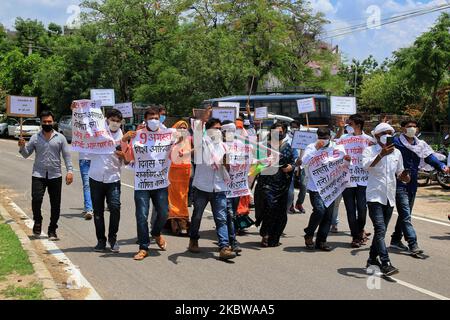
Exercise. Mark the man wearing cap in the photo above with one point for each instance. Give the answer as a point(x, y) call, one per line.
point(384, 164)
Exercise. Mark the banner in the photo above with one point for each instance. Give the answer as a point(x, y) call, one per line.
point(240, 162)
point(302, 139)
point(151, 159)
point(89, 132)
point(354, 147)
point(330, 174)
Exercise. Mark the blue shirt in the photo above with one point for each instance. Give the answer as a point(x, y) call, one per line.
point(411, 161)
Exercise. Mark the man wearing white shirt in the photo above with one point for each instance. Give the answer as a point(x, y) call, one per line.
point(104, 182)
point(384, 164)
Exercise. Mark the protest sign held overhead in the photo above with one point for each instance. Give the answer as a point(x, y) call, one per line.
point(21, 106)
point(235, 105)
point(89, 130)
point(106, 96)
point(224, 114)
point(151, 159)
point(302, 139)
point(343, 105)
point(126, 109)
point(306, 105)
point(261, 113)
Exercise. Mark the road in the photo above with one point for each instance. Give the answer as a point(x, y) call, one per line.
point(286, 272)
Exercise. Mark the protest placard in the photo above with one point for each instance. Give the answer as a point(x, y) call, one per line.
point(224, 113)
point(198, 113)
point(235, 105)
point(302, 139)
point(241, 157)
point(261, 113)
point(354, 147)
point(306, 105)
point(330, 173)
point(106, 96)
point(343, 105)
point(126, 109)
point(21, 106)
point(151, 155)
point(89, 131)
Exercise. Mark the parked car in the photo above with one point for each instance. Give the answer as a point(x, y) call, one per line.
point(30, 127)
point(8, 127)
point(65, 127)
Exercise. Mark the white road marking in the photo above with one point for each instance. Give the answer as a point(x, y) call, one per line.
point(421, 290)
point(76, 278)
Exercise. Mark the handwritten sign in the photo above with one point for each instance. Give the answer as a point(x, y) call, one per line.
point(330, 173)
point(343, 105)
point(21, 106)
point(89, 132)
point(354, 147)
point(306, 105)
point(126, 109)
point(152, 163)
point(302, 139)
point(240, 163)
point(261, 113)
point(106, 96)
point(223, 114)
point(235, 105)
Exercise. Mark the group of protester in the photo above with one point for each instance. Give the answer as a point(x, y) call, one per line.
point(207, 160)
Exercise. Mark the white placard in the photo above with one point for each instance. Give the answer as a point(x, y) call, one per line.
point(224, 113)
point(106, 96)
point(343, 105)
point(126, 109)
point(21, 106)
point(241, 158)
point(236, 105)
point(306, 105)
point(302, 139)
point(261, 113)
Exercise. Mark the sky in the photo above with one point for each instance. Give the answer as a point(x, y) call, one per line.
point(341, 13)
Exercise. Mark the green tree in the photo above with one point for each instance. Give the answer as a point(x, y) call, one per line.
point(31, 36)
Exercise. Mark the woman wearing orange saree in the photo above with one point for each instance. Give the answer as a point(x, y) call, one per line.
point(179, 174)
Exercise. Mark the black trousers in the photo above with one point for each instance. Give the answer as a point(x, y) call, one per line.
point(38, 187)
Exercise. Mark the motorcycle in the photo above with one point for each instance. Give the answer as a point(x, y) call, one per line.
point(427, 173)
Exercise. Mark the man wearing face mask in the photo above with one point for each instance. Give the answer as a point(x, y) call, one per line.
point(321, 216)
point(162, 116)
point(104, 183)
point(384, 164)
point(413, 152)
point(48, 145)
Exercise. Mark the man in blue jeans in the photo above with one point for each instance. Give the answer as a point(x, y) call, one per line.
point(85, 164)
point(210, 187)
point(413, 151)
point(384, 164)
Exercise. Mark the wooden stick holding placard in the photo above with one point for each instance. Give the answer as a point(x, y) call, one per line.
point(307, 121)
point(21, 125)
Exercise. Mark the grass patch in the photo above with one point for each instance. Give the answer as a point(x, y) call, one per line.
point(34, 291)
point(12, 256)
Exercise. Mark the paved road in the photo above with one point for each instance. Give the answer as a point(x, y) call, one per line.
point(286, 272)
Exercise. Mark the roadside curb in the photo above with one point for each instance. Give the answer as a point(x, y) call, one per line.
point(51, 291)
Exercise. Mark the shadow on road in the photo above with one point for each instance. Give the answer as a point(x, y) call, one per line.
point(441, 237)
point(205, 253)
point(358, 273)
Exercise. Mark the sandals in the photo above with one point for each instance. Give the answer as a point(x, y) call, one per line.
point(141, 255)
point(162, 244)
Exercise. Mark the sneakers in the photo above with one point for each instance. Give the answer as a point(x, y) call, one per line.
point(388, 269)
point(399, 245)
point(114, 246)
point(293, 210)
point(162, 244)
point(309, 242)
point(300, 208)
point(227, 254)
point(37, 229)
point(88, 215)
point(100, 247)
point(373, 263)
point(334, 229)
point(323, 247)
point(193, 246)
point(141, 255)
point(52, 236)
point(415, 249)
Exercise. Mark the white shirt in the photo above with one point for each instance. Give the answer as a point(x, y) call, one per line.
point(106, 168)
point(382, 183)
point(310, 151)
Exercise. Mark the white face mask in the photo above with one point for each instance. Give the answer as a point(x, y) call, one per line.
point(350, 129)
point(411, 132)
point(383, 139)
point(114, 126)
point(153, 124)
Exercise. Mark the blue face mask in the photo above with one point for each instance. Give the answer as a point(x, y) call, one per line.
point(162, 119)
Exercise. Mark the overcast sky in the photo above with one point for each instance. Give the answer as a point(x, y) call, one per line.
point(341, 13)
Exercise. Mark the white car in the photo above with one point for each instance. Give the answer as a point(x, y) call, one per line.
point(30, 127)
point(8, 127)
